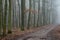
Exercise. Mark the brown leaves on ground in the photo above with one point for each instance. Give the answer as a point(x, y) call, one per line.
point(56, 32)
point(17, 32)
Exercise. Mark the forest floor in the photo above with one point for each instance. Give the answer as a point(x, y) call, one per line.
point(32, 34)
point(40, 34)
point(16, 32)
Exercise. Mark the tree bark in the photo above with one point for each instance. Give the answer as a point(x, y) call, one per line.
point(9, 18)
point(43, 11)
point(38, 13)
point(29, 14)
point(0, 14)
point(34, 12)
point(22, 14)
point(4, 22)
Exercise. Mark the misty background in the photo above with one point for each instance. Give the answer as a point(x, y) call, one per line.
point(52, 12)
point(55, 10)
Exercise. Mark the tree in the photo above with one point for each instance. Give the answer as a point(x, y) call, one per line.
point(38, 13)
point(51, 12)
point(34, 12)
point(22, 14)
point(0, 14)
point(48, 11)
point(43, 11)
point(41, 14)
point(9, 18)
point(12, 13)
point(4, 22)
point(19, 11)
point(29, 14)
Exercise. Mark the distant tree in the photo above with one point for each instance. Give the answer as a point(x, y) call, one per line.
point(19, 11)
point(29, 14)
point(38, 13)
point(34, 12)
point(43, 11)
point(48, 4)
point(13, 13)
point(51, 12)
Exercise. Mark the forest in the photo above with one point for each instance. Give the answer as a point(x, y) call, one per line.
point(21, 16)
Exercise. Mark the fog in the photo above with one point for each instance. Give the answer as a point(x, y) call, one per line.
point(56, 10)
point(57, 19)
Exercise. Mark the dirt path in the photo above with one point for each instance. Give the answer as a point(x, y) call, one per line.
point(39, 34)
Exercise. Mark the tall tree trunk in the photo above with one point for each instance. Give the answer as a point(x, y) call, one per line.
point(19, 11)
point(51, 16)
point(34, 12)
point(41, 15)
point(47, 13)
point(0, 14)
point(29, 14)
point(13, 13)
point(5, 14)
point(43, 11)
point(38, 13)
point(22, 14)
point(9, 18)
